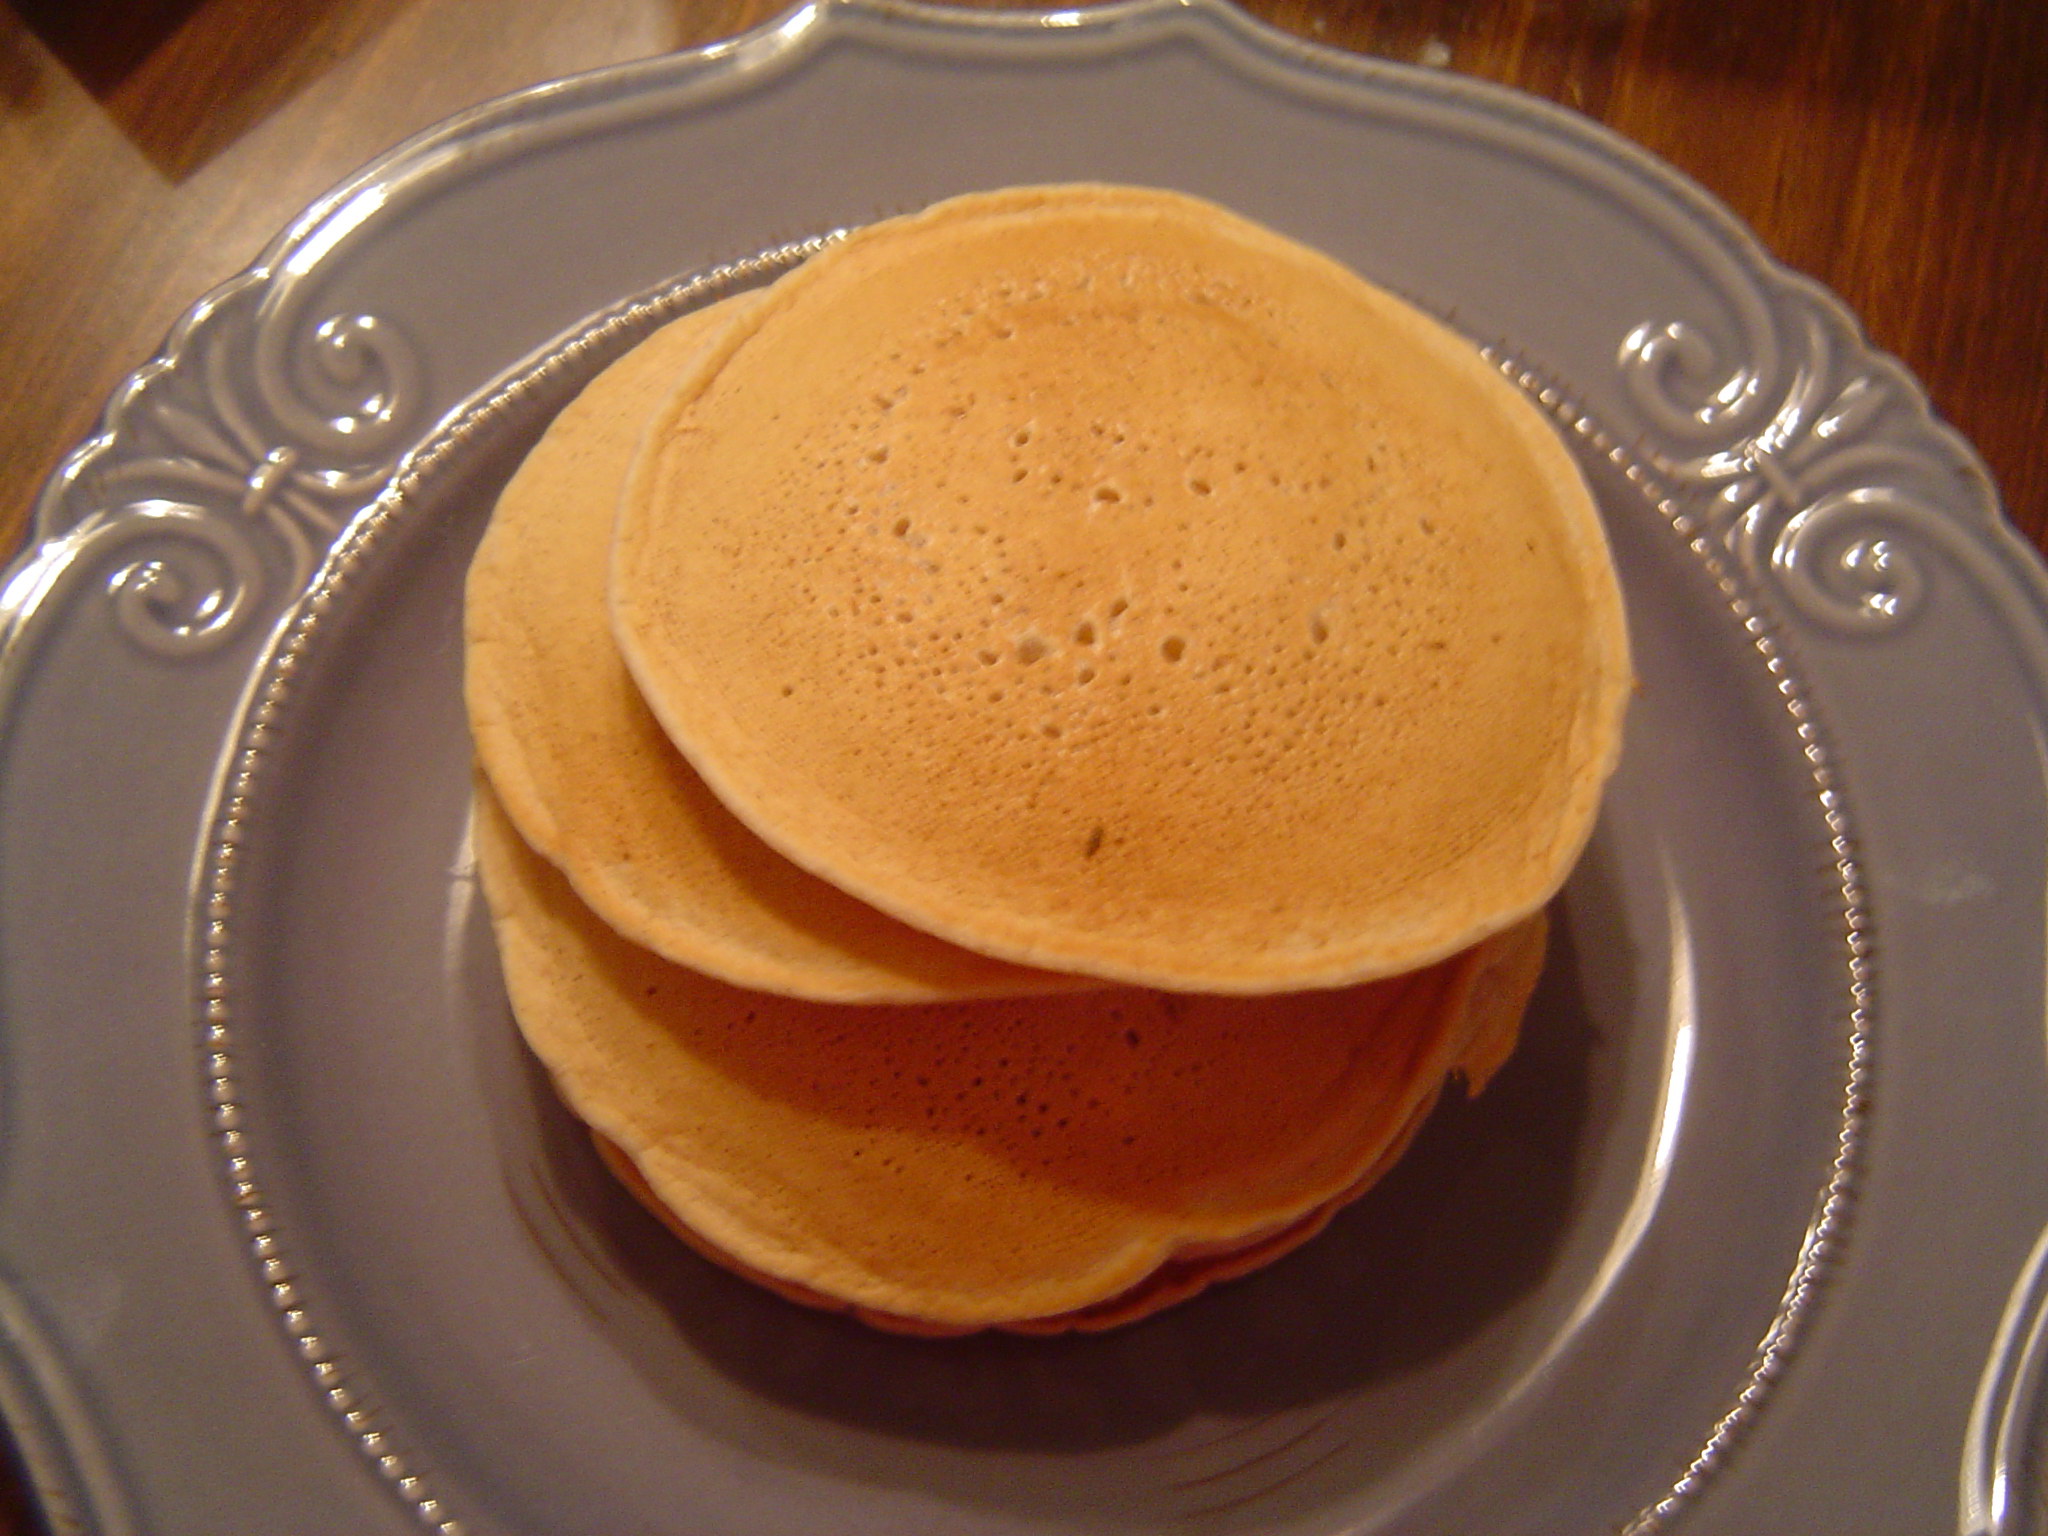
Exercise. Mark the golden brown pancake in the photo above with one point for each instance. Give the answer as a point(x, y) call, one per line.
point(1048, 1162)
point(590, 779)
point(1095, 579)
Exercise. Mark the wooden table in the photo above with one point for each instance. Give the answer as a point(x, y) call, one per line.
point(1896, 149)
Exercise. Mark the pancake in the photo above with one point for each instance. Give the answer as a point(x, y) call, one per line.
point(1044, 1163)
point(1097, 580)
point(593, 783)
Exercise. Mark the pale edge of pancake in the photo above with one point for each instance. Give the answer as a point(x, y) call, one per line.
point(499, 745)
point(1596, 731)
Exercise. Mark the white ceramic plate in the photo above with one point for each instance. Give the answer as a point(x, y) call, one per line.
point(293, 1236)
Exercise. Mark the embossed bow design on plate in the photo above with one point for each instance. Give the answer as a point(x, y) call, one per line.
point(227, 465)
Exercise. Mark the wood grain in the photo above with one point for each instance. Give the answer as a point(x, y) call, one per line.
point(1896, 150)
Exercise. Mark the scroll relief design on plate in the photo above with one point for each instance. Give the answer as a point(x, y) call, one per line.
point(1816, 461)
point(229, 464)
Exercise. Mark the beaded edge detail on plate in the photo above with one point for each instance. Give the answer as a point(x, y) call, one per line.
point(1821, 1247)
point(341, 1386)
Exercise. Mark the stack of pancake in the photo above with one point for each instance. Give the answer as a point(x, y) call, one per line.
point(1018, 760)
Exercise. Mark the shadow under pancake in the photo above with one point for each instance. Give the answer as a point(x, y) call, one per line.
point(1464, 1227)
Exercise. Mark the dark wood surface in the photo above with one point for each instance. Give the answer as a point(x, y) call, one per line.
point(1895, 149)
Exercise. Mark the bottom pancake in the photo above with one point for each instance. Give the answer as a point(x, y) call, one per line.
point(1180, 1277)
point(1500, 992)
point(1036, 1164)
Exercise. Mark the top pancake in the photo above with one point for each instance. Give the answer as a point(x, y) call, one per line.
point(1100, 581)
point(588, 776)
